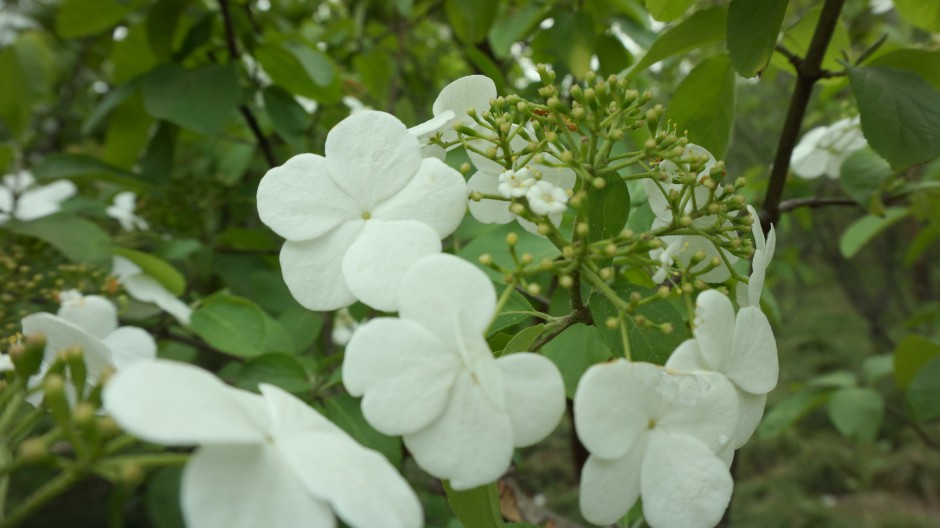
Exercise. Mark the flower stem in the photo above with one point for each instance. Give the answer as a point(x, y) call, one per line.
point(47, 492)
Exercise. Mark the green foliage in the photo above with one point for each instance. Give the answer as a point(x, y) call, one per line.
point(278, 369)
point(703, 104)
point(863, 177)
point(923, 394)
point(667, 10)
point(202, 100)
point(344, 411)
point(477, 506)
point(789, 411)
point(863, 230)
point(239, 327)
point(857, 412)
point(922, 14)
point(911, 355)
point(471, 19)
point(701, 28)
point(288, 117)
point(574, 351)
point(159, 269)
point(752, 33)
point(78, 240)
point(608, 208)
point(80, 18)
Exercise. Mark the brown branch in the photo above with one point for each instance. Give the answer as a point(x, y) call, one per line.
point(815, 201)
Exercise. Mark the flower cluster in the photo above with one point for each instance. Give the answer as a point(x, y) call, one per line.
point(823, 149)
point(21, 198)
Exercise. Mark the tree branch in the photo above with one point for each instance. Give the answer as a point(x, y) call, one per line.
point(815, 201)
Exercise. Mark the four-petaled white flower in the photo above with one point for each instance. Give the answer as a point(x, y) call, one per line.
point(146, 289)
point(430, 376)
point(22, 199)
point(823, 149)
point(450, 109)
point(655, 434)
point(90, 323)
point(264, 460)
point(688, 244)
point(122, 210)
point(356, 219)
point(741, 347)
point(486, 180)
point(666, 260)
point(749, 294)
point(515, 183)
point(546, 199)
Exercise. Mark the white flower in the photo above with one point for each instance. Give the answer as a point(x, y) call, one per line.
point(656, 192)
point(356, 219)
point(546, 199)
point(344, 326)
point(11, 24)
point(264, 460)
point(654, 433)
point(666, 260)
point(354, 104)
point(515, 183)
point(6, 363)
point(450, 109)
point(90, 323)
point(749, 294)
point(486, 180)
point(122, 210)
point(880, 6)
point(742, 348)
point(146, 289)
point(823, 149)
point(22, 199)
point(431, 377)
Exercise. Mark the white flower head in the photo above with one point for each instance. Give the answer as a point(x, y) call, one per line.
point(264, 460)
point(515, 183)
point(741, 347)
point(749, 294)
point(344, 326)
point(146, 289)
point(450, 109)
point(823, 149)
point(357, 218)
point(688, 245)
point(11, 24)
point(430, 377)
point(879, 7)
point(654, 433)
point(6, 363)
point(666, 260)
point(547, 199)
point(122, 210)
point(22, 199)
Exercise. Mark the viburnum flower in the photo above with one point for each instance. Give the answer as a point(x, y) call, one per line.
point(823, 149)
point(6, 363)
point(430, 376)
point(356, 219)
point(22, 199)
point(146, 289)
point(450, 109)
point(545, 199)
point(749, 294)
point(666, 260)
point(90, 323)
point(879, 7)
point(515, 183)
point(741, 347)
point(655, 434)
point(264, 460)
point(122, 210)
point(656, 192)
point(344, 326)
point(486, 180)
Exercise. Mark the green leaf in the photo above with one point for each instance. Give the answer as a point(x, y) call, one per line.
point(277, 369)
point(79, 18)
point(128, 130)
point(574, 351)
point(159, 269)
point(703, 104)
point(612, 57)
point(111, 101)
point(608, 208)
point(857, 413)
point(477, 507)
point(301, 70)
point(80, 166)
point(863, 230)
point(863, 175)
point(514, 26)
point(910, 356)
point(76, 238)
point(922, 62)
point(646, 343)
point(921, 13)
point(900, 114)
point(789, 411)
point(471, 19)
point(162, 20)
point(162, 498)
point(702, 27)
point(132, 57)
point(876, 367)
point(203, 99)
point(923, 394)
point(156, 165)
point(523, 341)
point(375, 69)
point(512, 312)
point(344, 411)
point(752, 33)
point(239, 327)
point(668, 10)
point(303, 326)
point(575, 40)
point(798, 38)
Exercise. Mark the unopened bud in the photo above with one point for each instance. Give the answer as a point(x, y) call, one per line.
point(636, 297)
point(582, 229)
point(598, 183)
point(565, 281)
point(543, 229)
point(33, 450)
point(612, 323)
point(533, 288)
point(527, 258)
point(130, 474)
point(685, 221)
point(610, 249)
point(517, 208)
point(464, 167)
point(666, 328)
point(512, 238)
point(606, 273)
point(663, 291)
point(476, 196)
point(486, 259)
point(83, 415)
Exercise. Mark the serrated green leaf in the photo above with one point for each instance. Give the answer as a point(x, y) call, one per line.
point(863, 230)
point(863, 175)
point(203, 99)
point(76, 238)
point(703, 104)
point(857, 413)
point(920, 61)
point(159, 269)
point(752, 33)
point(910, 355)
point(701, 28)
point(608, 208)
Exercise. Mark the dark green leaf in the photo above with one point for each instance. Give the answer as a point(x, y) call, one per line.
point(156, 165)
point(863, 175)
point(702, 27)
point(277, 369)
point(159, 269)
point(668, 10)
point(924, 392)
point(574, 351)
point(911, 354)
point(752, 33)
point(203, 99)
point(922, 62)
point(376, 71)
point(79, 18)
point(301, 70)
point(110, 102)
point(162, 21)
point(574, 40)
point(344, 411)
point(128, 130)
point(608, 208)
point(798, 38)
point(76, 238)
point(612, 57)
point(162, 498)
point(863, 230)
point(703, 104)
point(857, 413)
point(239, 327)
point(791, 410)
point(80, 166)
point(900, 114)
point(921, 13)
point(646, 343)
point(303, 326)
point(514, 26)
point(477, 507)
point(513, 312)
point(471, 19)
point(523, 341)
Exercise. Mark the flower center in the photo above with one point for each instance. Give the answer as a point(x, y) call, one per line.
point(651, 424)
point(366, 215)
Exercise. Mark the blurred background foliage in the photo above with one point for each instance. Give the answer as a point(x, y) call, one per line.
point(189, 102)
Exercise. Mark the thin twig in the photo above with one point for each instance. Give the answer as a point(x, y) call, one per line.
point(815, 201)
point(928, 440)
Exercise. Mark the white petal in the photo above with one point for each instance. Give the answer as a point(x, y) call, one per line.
point(289, 415)
point(61, 334)
point(129, 344)
point(703, 405)
point(313, 270)
point(299, 200)
point(683, 483)
point(247, 487)
point(714, 325)
point(43, 201)
point(438, 287)
point(93, 313)
point(470, 443)
point(122, 268)
point(488, 211)
point(432, 126)
point(535, 396)
point(405, 373)
point(657, 199)
point(750, 412)
point(436, 196)
point(609, 488)
point(687, 358)
point(360, 484)
point(174, 403)
point(375, 263)
point(472, 91)
point(145, 288)
point(371, 156)
point(752, 364)
point(609, 408)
